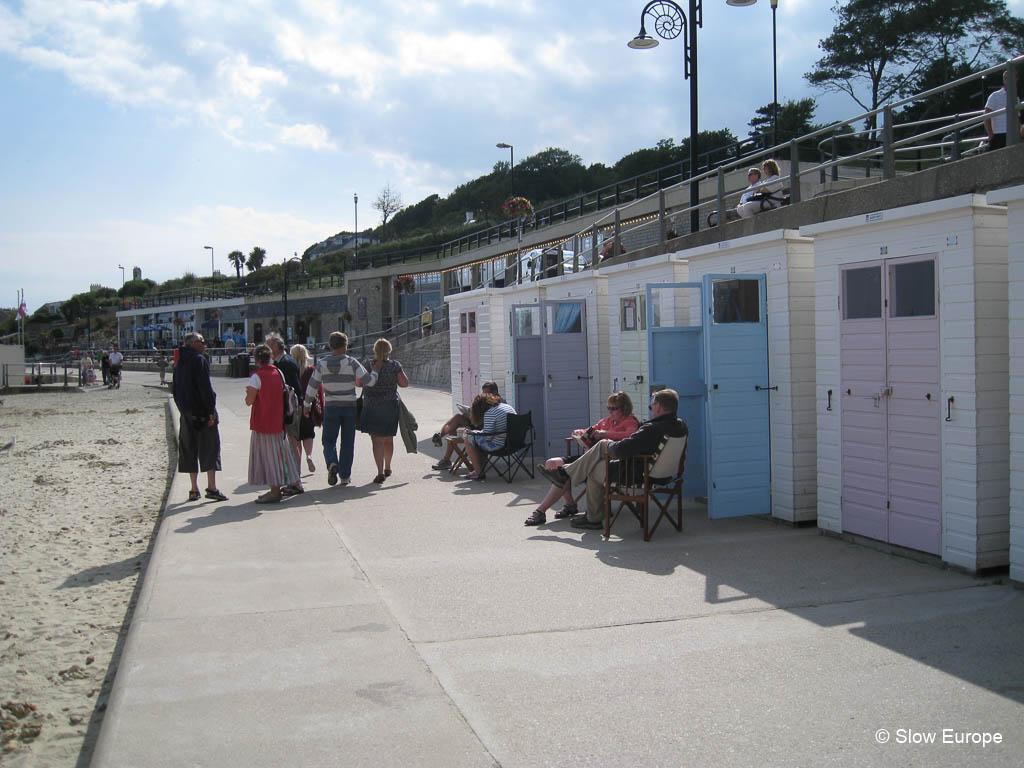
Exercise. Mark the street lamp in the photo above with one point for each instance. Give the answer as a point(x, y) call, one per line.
point(284, 295)
point(669, 20)
point(511, 165)
point(775, 66)
point(122, 274)
point(355, 203)
point(210, 249)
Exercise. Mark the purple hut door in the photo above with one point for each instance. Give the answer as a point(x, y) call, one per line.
point(470, 351)
point(889, 363)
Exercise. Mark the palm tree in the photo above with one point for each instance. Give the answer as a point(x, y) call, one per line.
point(237, 258)
point(256, 257)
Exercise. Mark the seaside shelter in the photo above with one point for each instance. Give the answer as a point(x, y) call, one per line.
point(912, 394)
point(1013, 199)
point(758, 296)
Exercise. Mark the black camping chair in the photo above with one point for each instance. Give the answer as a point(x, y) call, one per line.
point(519, 436)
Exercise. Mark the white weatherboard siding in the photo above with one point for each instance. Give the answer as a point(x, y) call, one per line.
point(968, 239)
point(491, 332)
point(592, 287)
point(529, 293)
point(1013, 197)
point(787, 261)
point(631, 279)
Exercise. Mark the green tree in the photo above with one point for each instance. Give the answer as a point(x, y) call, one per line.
point(255, 260)
point(237, 259)
point(794, 120)
point(135, 288)
point(879, 48)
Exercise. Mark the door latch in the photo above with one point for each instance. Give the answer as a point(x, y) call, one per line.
point(759, 388)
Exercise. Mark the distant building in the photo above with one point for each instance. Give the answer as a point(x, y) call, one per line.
point(136, 273)
point(341, 241)
point(52, 307)
point(94, 287)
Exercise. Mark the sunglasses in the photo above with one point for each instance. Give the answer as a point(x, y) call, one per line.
point(614, 408)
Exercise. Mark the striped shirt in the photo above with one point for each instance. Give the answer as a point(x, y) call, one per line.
point(338, 374)
point(496, 420)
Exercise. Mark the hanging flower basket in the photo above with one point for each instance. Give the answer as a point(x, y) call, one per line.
point(406, 284)
point(518, 208)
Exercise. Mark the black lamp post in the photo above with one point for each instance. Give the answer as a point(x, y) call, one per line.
point(775, 67)
point(284, 295)
point(511, 165)
point(669, 20)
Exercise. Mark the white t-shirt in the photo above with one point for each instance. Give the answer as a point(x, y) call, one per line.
point(996, 101)
point(254, 382)
point(115, 358)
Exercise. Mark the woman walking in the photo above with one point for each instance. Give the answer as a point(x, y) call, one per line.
point(381, 406)
point(271, 460)
point(316, 413)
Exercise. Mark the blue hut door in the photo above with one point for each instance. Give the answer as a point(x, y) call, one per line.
point(675, 343)
point(739, 448)
point(566, 372)
point(527, 364)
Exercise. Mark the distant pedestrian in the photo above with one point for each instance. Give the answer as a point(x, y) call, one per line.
point(340, 375)
point(308, 424)
point(116, 359)
point(427, 320)
point(161, 364)
point(995, 126)
point(381, 406)
point(290, 370)
point(105, 368)
point(271, 459)
point(198, 435)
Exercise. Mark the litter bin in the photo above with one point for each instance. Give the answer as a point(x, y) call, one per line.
point(242, 361)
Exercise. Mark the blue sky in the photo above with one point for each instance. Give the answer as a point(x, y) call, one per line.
point(135, 133)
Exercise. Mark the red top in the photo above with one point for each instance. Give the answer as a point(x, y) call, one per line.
point(618, 428)
point(267, 414)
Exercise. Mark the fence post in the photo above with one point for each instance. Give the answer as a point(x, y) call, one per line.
point(593, 245)
point(721, 195)
point(888, 153)
point(1012, 115)
point(794, 172)
point(662, 224)
point(617, 248)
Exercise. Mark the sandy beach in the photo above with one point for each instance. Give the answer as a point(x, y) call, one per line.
point(80, 497)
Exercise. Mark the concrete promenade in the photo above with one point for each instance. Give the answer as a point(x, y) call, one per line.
point(421, 624)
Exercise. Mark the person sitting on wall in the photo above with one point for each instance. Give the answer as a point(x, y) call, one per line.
point(619, 424)
point(589, 468)
point(768, 193)
point(461, 419)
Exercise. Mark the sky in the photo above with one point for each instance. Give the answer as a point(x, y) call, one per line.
point(134, 133)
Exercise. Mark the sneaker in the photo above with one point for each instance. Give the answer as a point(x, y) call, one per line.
point(436, 439)
point(442, 464)
point(345, 480)
point(310, 464)
point(583, 522)
point(332, 474)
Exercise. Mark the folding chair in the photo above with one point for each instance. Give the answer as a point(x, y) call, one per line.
point(660, 481)
point(519, 436)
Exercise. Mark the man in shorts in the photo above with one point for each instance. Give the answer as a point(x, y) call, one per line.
point(198, 437)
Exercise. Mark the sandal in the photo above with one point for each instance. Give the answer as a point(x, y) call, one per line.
point(567, 511)
point(310, 464)
point(216, 495)
point(193, 495)
point(378, 479)
point(387, 473)
point(537, 518)
point(476, 476)
point(268, 498)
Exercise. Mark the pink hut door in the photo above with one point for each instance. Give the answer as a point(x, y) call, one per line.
point(469, 350)
point(889, 374)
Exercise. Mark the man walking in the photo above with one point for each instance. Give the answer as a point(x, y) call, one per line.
point(198, 436)
point(589, 468)
point(340, 375)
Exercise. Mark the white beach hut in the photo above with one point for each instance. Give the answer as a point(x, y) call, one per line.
point(1013, 199)
point(758, 295)
point(479, 344)
point(912, 382)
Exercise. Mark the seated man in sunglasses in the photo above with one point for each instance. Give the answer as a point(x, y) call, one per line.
point(618, 424)
point(589, 468)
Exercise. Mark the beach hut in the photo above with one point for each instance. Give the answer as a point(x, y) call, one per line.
point(1013, 199)
point(479, 348)
point(912, 384)
point(574, 354)
point(757, 296)
point(627, 320)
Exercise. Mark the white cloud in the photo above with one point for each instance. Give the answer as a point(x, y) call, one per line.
point(459, 52)
point(305, 135)
point(248, 80)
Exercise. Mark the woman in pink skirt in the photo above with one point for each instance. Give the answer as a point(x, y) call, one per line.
point(271, 460)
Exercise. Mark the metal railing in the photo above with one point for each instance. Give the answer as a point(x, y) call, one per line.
point(38, 374)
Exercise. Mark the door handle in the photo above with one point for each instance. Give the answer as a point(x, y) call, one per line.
point(759, 388)
point(519, 378)
point(581, 378)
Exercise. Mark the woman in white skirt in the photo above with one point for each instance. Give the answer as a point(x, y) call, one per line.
point(271, 460)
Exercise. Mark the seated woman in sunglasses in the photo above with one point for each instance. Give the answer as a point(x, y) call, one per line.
point(618, 424)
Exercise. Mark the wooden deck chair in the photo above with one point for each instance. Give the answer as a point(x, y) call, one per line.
point(519, 436)
point(660, 482)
